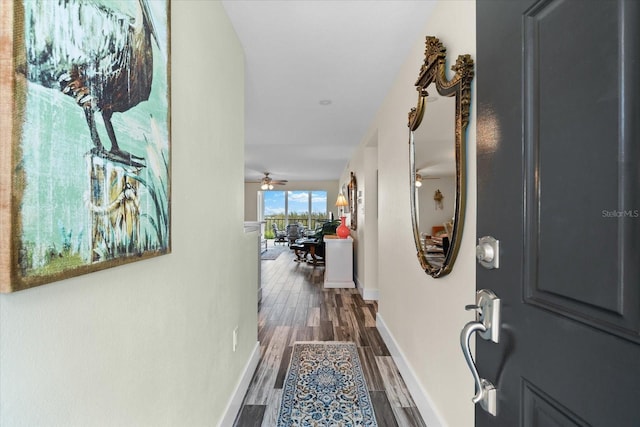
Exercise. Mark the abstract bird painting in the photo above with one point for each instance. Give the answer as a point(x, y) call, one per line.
point(99, 56)
point(91, 143)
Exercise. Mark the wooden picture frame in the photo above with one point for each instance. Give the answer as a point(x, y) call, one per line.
point(85, 158)
point(353, 201)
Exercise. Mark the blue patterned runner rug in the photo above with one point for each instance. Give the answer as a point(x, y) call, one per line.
point(325, 387)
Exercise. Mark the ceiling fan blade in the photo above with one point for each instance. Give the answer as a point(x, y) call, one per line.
point(267, 180)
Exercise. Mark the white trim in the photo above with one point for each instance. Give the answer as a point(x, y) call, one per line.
point(359, 285)
point(367, 294)
point(425, 405)
point(370, 294)
point(235, 403)
point(336, 284)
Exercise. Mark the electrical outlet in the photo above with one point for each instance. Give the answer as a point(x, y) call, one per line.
point(235, 339)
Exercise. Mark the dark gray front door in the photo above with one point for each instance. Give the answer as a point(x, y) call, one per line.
point(559, 186)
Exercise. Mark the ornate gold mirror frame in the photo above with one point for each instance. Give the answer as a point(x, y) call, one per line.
point(433, 70)
point(353, 201)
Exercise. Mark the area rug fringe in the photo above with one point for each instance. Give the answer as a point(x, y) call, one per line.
point(325, 386)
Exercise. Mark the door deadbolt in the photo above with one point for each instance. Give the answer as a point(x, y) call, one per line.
point(488, 252)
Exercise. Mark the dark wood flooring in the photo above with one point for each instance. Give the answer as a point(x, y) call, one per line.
point(296, 307)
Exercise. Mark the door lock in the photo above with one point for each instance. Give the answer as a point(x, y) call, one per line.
point(488, 252)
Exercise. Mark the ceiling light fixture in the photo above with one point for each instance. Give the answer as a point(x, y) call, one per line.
point(325, 102)
point(266, 184)
point(418, 180)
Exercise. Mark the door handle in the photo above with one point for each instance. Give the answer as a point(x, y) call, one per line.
point(487, 323)
point(485, 391)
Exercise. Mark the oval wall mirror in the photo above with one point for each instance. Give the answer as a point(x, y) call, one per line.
point(437, 151)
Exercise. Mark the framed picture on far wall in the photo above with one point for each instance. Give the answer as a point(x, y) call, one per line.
point(85, 155)
point(353, 201)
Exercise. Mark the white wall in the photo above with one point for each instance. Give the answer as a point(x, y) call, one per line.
point(364, 164)
point(367, 272)
point(149, 343)
point(423, 315)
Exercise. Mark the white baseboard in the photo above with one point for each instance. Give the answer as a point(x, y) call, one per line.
point(235, 403)
point(421, 398)
point(367, 294)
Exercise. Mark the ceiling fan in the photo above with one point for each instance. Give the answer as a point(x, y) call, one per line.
point(267, 183)
point(419, 178)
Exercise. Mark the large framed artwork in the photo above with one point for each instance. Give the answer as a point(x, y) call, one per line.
point(85, 165)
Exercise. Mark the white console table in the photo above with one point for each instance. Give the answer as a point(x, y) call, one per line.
point(338, 259)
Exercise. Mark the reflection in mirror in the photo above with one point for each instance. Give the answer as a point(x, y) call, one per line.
point(437, 158)
point(353, 201)
point(435, 164)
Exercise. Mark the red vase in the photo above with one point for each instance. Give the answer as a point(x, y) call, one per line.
point(343, 231)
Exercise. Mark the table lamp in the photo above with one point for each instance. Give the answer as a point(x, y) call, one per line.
point(342, 231)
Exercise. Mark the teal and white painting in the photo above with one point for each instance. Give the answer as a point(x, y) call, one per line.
point(91, 138)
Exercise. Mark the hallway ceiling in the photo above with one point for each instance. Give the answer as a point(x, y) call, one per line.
point(316, 73)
